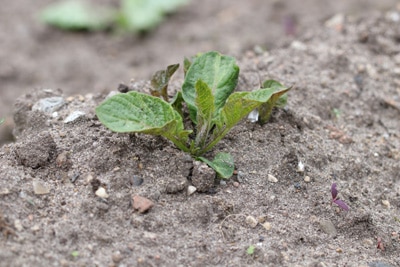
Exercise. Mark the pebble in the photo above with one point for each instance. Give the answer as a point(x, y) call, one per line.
point(39, 188)
point(74, 116)
point(272, 179)
point(236, 184)
point(101, 192)
point(191, 189)
point(141, 204)
point(307, 179)
point(18, 225)
point(300, 167)
point(137, 180)
point(267, 226)
point(49, 105)
point(116, 257)
point(336, 22)
point(251, 221)
point(379, 264)
point(297, 45)
point(386, 203)
point(327, 227)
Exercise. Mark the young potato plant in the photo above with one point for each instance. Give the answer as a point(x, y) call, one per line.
point(206, 99)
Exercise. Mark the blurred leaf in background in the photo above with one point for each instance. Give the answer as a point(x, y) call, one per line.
point(132, 16)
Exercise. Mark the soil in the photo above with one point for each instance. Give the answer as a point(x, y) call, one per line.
point(341, 125)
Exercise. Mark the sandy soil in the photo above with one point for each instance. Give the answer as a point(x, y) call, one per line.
point(342, 123)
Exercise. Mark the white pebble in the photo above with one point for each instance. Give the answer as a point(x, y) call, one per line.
point(307, 179)
point(191, 189)
point(39, 188)
point(101, 192)
point(272, 178)
point(300, 167)
point(267, 226)
point(74, 116)
point(386, 203)
point(251, 221)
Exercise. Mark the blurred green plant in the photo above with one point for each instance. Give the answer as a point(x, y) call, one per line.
point(1, 120)
point(132, 15)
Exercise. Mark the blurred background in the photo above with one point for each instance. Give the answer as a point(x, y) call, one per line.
point(36, 55)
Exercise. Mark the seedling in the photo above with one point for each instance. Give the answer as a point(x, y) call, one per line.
point(132, 15)
point(250, 250)
point(335, 198)
point(206, 100)
point(380, 244)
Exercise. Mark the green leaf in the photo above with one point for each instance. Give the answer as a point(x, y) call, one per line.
point(141, 113)
point(250, 250)
point(237, 106)
point(160, 81)
point(186, 65)
point(278, 99)
point(205, 110)
point(143, 15)
point(219, 72)
point(77, 15)
point(223, 164)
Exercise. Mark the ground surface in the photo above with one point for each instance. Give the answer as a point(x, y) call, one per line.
point(342, 122)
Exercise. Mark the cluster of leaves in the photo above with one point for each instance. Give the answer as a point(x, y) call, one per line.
point(206, 100)
point(132, 15)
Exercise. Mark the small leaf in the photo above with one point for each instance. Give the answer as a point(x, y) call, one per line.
point(250, 250)
point(334, 191)
point(341, 204)
point(223, 164)
point(186, 65)
point(77, 15)
point(219, 72)
point(278, 98)
point(205, 109)
point(160, 81)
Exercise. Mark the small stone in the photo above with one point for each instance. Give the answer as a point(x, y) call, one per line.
point(175, 184)
point(267, 226)
point(18, 225)
point(116, 257)
point(141, 204)
point(307, 179)
point(4, 191)
point(137, 180)
point(39, 188)
point(49, 105)
point(328, 227)
point(62, 160)
point(339, 250)
point(336, 22)
point(272, 179)
point(35, 228)
point(101, 192)
point(74, 116)
point(300, 167)
point(191, 189)
point(251, 221)
point(297, 45)
point(386, 203)
point(236, 184)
